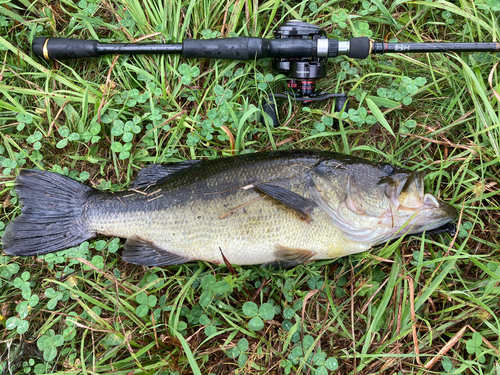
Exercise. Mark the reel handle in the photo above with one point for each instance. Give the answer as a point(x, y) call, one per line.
point(269, 106)
point(341, 103)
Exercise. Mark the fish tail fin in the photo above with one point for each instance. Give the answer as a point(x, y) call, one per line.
point(51, 216)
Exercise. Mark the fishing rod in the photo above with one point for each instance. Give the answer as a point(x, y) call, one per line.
point(300, 50)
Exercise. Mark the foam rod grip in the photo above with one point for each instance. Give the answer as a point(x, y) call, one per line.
point(359, 48)
point(64, 48)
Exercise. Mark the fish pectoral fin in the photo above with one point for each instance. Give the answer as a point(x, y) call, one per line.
point(158, 173)
point(288, 257)
point(145, 253)
point(290, 199)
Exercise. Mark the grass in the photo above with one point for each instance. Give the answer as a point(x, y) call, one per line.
point(421, 305)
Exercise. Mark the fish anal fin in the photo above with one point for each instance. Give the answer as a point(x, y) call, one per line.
point(290, 199)
point(289, 257)
point(145, 253)
point(158, 173)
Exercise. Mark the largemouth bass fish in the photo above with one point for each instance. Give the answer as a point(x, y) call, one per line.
point(284, 207)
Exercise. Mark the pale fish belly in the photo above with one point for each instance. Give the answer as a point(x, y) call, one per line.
point(249, 235)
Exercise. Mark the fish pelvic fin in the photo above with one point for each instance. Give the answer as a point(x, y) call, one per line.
point(51, 216)
point(145, 253)
point(288, 257)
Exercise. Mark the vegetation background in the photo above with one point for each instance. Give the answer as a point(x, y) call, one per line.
point(421, 305)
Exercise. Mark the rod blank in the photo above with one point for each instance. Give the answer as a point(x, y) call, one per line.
point(381, 48)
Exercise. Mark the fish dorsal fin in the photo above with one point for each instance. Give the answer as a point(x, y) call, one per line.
point(145, 253)
point(290, 199)
point(289, 257)
point(159, 173)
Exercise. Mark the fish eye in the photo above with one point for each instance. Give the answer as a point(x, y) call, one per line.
point(388, 169)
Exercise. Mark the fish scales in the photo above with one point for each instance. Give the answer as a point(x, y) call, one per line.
point(191, 209)
point(286, 207)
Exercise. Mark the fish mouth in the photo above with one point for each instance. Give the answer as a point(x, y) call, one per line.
point(414, 211)
point(435, 212)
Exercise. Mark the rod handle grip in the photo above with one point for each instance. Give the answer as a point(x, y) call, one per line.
point(64, 48)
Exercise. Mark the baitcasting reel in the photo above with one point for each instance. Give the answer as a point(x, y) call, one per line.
point(304, 72)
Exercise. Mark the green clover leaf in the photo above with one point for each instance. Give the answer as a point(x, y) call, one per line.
point(266, 311)
point(256, 324)
point(250, 309)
